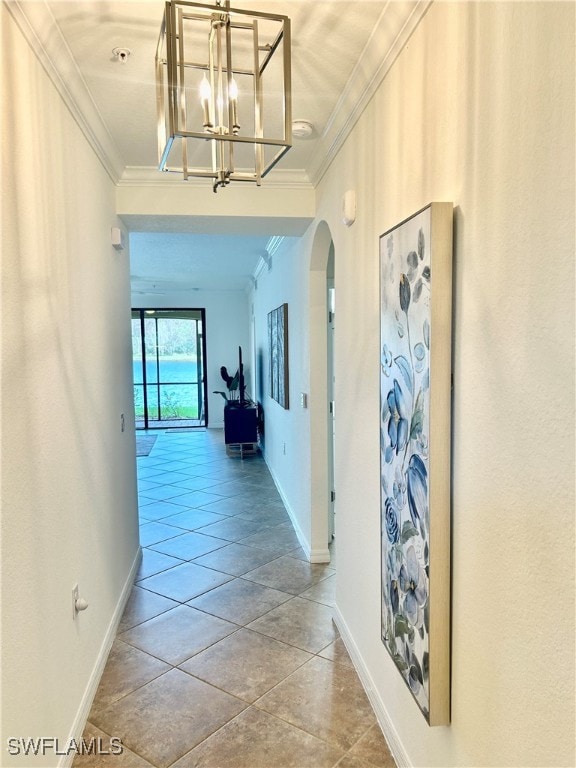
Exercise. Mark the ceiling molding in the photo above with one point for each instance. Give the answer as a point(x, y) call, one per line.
point(395, 26)
point(274, 244)
point(260, 267)
point(48, 44)
point(265, 261)
point(150, 176)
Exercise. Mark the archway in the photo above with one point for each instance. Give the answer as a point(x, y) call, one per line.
point(320, 481)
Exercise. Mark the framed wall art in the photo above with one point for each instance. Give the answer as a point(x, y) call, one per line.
point(278, 350)
point(415, 400)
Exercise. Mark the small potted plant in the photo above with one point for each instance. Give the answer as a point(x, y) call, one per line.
point(232, 383)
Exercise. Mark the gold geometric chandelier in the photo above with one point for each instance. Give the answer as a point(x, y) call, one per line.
point(223, 92)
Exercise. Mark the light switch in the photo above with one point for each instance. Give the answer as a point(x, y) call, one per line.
point(303, 399)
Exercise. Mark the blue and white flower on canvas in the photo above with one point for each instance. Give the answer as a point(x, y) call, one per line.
point(404, 430)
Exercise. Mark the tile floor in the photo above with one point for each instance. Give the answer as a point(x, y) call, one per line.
point(227, 655)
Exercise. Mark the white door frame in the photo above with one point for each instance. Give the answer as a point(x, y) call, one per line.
point(319, 399)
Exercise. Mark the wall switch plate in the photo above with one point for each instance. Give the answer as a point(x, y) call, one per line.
point(303, 399)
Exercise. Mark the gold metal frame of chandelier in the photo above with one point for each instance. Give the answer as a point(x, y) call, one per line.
point(173, 90)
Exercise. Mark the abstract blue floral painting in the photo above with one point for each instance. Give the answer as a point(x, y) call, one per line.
point(415, 387)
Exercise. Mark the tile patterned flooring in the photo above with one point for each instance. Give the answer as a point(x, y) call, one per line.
point(227, 655)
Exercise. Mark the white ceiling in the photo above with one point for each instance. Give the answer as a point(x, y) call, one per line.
point(328, 37)
point(164, 263)
point(341, 50)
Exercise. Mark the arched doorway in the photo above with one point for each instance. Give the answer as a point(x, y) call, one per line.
point(322, 274)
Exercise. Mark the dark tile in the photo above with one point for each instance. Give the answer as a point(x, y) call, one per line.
point(290, 574)
point(174, 465)
point(236, 559)
point(228, 507)
point(231, 529)
point(372, 748)
point(323, 592)
point(198, 484)
point(159, 509)
point(239, 601)
point(267, 517)
point(152, 533)
point(184, 582)
point(144, 485)
point(178, 634)
point(127, 668)
point(197, 499)
point(324, 699)
point(277, 539)
point(169, 478)
point(299, 622)
point(189, 545)
point(147, 473)
point(161, 493)
point(256, 739)
point(246, 664)
point(191, 519)
point(141, 606)
point(101, 752)
point(166, 718)
point(155, 562)
point(337, 652)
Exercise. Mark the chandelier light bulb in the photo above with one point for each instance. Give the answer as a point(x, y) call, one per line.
point(205, 96)
point(233, 92)
point(203, 46)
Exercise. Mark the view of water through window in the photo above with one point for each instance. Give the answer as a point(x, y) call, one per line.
point(168, 367)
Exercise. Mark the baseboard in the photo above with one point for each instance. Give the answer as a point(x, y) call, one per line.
point(90, 691)
point(385, 721)
point(319, 555)
point(312, 555)
point(304, 543)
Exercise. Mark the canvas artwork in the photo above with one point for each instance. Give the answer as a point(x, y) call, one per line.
point(278, 350)
point(415, 396)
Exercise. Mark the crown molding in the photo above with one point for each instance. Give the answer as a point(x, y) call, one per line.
point(394, 28)
point(274, 244)
point(260, 267)
point(265, 262)
point(396, 24)
point(150, 176)
point(43, 34)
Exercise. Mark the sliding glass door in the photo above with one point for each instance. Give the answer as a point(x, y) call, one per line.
point(168, 350)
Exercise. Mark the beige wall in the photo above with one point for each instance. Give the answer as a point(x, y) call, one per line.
point(287, 431)
point(68, 472)
point(478, 110)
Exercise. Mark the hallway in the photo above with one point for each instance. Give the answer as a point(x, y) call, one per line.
point(227, 655)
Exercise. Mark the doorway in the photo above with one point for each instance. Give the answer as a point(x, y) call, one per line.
point(322, 399)
point(331, 302)
point(169, 368)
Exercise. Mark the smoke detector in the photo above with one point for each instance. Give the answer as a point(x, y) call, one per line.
point(302, 129)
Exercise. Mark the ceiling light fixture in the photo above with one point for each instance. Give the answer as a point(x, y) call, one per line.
point(223, 84)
